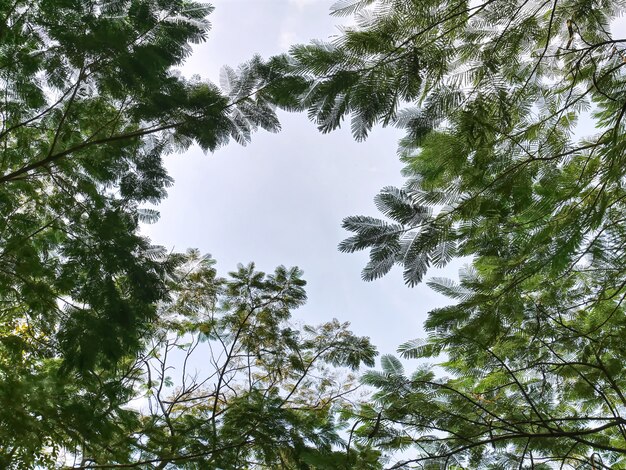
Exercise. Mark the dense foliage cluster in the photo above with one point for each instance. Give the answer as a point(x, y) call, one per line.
point(91, 103)
point(514, 152)
point(514, 156)
point(226, 381)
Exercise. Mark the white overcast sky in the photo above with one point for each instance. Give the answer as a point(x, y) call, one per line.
point(281, 199)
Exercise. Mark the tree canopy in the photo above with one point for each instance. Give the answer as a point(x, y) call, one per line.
point(92, 102)
point(514, 160)
point(227, 381)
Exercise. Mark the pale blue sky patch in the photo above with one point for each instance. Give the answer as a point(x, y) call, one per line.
point(281, 199)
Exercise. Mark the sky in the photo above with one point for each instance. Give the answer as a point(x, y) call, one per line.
point(281, 199)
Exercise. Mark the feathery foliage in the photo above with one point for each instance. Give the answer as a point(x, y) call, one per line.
point(514, 152)
point(91, 103)
point(227, 381)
